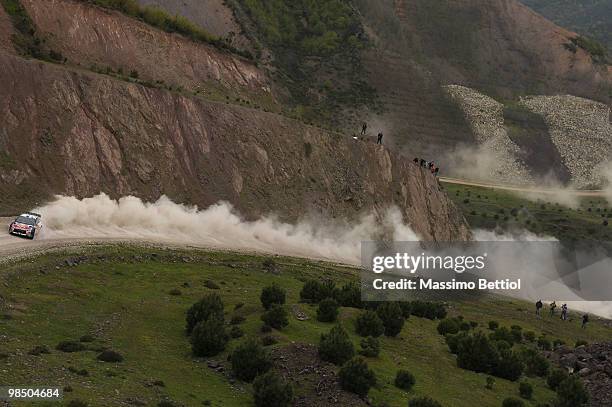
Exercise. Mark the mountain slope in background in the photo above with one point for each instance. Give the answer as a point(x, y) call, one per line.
point(592, 18)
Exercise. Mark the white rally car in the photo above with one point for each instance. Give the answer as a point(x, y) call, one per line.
point(26, 225)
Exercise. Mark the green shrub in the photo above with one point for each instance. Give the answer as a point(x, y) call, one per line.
point(350, 296)
point(268, 340)
point(512, 402)
point(276, 317)
point(236, 332)
point(571, 393)
point(502, 334)
point(544, 343)
point(404, 380)
point(490, 382)
point(423, 402)
point(314, 291)
point(237, 320)
point(555, 377)
point(110, 356)
point(391, 315)
point(327, 311)
point(209, 338)
point(249, 360)
point(529, 336)
point(509, 366)
point(448, 326)
point(453, 341)
point(77, 403)
point(369, 324)
point(270, 390)
point(525, 390)
point(535, 363)
point(70, 346)
point(493, 325)
point(336, 346)
point(476, 353)
point(370, 347)
point(209, 306)
point(272, 294)
point(424, 309)
point(355, 376)
point(39, 350)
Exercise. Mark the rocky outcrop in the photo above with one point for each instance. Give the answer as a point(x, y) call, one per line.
point(593, 363)
point(581, 131)
point(95, 37)
point(79, 133)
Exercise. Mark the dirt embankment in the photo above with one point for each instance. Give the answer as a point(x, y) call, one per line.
point(92, 36)
point(6, 32)
point(80, 133)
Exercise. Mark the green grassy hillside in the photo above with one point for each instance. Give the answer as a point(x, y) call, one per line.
point(486, 208)
point(134, 301)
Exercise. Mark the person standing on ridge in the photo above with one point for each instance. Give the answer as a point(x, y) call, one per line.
point(564, 312)
point(585, 319)
point(380, 137)
point(553, 306)
point(539, 306)
point(364, 127)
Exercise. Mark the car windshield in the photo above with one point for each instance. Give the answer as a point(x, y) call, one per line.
point(26, 220)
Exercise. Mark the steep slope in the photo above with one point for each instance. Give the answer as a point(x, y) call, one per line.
point(6, 32)
point(214, 15)
point(592, 18)
point(80, 133)
point(105, 40)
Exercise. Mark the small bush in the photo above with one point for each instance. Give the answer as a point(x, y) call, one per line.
point(86, 338)
point(272, 295)
point(70, 346)
point(270, 390)
point(39, 350)
point(555, 378)
point(350, 296)
point(77, 403)
point(529, 336)
point(490, 382)
point(424, 309)
point(571, 393)
point(314, 291)
point(249, 360)
point(355, 376)
point(175, 292)
point(209, 338)
point(535, 363)
point(336, 346)
point(268, 340)
point(544, 343)
point(370, 347)
point(448, 326)
point(110, 356)
point(265, 328)
point(404, 380)
point(210, 305)
point(512, 402)
point(493, 325)
point(476, 353)
point(327, 311)
point(237, 320)
point(391, 315)
point(236, 332)
point(276, 317)
point(423, 402)
point(509, 366)
point(211, 285)
point(369, 324)
point(525, 390)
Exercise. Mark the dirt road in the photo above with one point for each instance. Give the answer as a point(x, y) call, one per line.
point(518, 188)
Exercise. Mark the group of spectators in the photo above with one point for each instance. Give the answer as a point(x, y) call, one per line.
point(430, 165)
point(564, 312)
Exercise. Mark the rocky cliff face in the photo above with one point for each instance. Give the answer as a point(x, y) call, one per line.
point(78, 133)
point(90, 36)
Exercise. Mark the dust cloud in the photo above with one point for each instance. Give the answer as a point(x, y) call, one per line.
point(218, 226)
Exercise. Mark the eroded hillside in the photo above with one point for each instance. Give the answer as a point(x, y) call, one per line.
point(80, 133)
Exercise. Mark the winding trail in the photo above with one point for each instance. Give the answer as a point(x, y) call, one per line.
point(517, 188)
